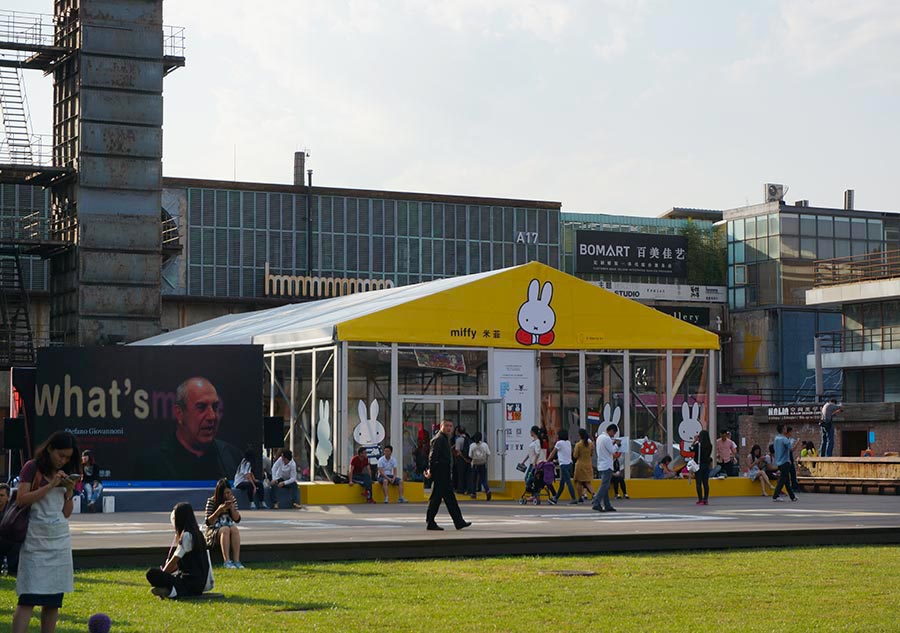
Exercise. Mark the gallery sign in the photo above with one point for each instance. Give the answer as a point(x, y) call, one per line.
point(694, 316)
point(795, 413)
point(630, 253)
point(664, 292)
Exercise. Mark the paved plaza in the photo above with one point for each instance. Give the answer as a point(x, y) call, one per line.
point(380, 531)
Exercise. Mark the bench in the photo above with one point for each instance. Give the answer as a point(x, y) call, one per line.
point(284, 497)
point(850, 485)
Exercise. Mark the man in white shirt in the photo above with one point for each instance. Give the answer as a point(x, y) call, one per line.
point(284, 475)
point(606, 450)
point(387, 473)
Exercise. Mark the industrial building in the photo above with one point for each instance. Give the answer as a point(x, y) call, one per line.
point(772, 250)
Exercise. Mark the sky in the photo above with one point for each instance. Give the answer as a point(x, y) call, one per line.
point(607, 106)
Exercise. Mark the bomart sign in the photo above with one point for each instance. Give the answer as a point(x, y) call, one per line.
point(630, 253)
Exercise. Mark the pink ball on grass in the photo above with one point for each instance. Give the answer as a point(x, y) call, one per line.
point(99, 623)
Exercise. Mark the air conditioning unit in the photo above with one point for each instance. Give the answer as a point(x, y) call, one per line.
point(774, 193)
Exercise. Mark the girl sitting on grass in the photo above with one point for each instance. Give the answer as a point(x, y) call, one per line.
point(188, 571)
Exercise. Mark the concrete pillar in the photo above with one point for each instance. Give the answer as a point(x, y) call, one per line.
point(820, 383)
point(711, 389)
point(626, 414)
point(670, 412)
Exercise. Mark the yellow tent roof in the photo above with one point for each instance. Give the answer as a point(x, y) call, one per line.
point(525, 307)
point(528, 306)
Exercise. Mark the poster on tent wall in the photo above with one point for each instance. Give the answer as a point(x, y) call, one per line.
point(513, 380)
point(154, 413)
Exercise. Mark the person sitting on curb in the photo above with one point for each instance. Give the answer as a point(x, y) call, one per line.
point(662, 470)
point(222, 517)
point(284, 475)
point(361, 474)
point(387, 473)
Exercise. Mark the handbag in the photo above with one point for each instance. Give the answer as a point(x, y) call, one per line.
point(14, 525)
point(692, 466)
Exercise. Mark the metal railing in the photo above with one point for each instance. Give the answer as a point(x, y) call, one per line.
point(861, 340)
point(759, 397)
point(40, 153)
point(31, 29)
point(40, 29)
point(33, 227)
point(173, 41)
point(168, 231)
point(856, 268)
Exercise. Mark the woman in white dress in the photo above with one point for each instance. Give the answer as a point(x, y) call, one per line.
point(45, 562)
point(757, 470)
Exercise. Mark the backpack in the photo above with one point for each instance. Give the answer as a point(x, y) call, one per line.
point(467, 442)
point(479, 454)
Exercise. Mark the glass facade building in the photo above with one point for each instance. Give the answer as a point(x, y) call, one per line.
point(771, 253)
point(232, 234)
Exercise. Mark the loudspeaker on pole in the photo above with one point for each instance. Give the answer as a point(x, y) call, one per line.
point(14, 434)
point(273, 432)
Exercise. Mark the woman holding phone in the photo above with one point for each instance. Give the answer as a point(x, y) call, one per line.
point(222, 517)
point(46, 483)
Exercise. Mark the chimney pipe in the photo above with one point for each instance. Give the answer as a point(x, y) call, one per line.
point(848, 200)
point(299, 168)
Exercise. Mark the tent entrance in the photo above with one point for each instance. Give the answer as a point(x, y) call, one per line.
point(422, 416)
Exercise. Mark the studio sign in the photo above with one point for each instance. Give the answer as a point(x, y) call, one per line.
point(634, 253)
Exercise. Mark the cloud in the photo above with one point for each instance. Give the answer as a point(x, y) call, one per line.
point(544, 19)
point(819, 35)
point(814, 37)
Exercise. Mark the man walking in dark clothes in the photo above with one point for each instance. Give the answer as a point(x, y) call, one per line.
point(440, 467)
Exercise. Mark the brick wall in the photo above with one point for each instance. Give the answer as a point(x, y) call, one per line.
point(882, 418)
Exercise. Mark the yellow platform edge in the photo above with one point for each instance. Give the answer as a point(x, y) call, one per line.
point(323, 493)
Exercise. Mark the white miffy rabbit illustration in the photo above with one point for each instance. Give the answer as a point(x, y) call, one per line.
point(536, 317)
point(689, 427)
point(607, 420)
point(324, 447)
point(369, 431)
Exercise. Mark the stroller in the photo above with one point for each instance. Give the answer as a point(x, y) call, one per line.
point(539, 480)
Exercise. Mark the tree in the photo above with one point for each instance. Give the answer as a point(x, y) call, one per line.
point(706, 255)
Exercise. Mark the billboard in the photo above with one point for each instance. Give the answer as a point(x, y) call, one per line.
point(664, 292)
point(162, 413)
point(630, 253)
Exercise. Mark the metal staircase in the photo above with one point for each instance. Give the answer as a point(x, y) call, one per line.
point(16, 120)
point(16, 335)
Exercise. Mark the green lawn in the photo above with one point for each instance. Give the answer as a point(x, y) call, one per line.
point(816, 589)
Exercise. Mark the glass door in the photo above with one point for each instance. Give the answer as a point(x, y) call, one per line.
point(421, 419)
point(492, 424)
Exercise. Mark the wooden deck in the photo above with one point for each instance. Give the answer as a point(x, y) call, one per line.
point(852, 475)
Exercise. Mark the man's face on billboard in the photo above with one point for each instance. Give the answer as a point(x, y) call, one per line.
point(198, 420)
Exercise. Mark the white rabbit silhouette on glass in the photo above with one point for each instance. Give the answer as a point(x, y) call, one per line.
point(369, 431)
point(689, 427)
point(324, 447)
